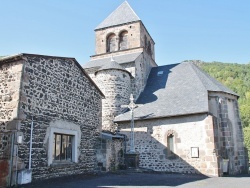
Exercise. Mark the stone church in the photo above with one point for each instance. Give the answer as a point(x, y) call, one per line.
point(58, 118)
point(186, 121)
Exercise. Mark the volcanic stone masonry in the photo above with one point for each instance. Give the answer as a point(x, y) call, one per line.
point(59, 96)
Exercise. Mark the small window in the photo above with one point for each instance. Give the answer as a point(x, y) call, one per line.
point(145, 42)
point(159, 73)
point(149, 48)
point(62, 147)
point(170, 145)
point(63, 144)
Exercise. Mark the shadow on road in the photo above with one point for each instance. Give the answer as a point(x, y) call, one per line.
point(118, 179)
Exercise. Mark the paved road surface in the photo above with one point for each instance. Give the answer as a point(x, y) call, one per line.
point(131, 179)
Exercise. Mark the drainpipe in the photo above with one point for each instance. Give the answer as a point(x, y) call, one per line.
point(31, 132)
point(11, 159)
point(16, 164)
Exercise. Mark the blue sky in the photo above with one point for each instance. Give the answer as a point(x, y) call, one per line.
point(208, 30)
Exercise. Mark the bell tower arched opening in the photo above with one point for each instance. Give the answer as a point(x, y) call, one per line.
point(123, 40)
point(111, 42)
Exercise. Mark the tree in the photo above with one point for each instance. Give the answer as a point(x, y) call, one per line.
point(247, 139)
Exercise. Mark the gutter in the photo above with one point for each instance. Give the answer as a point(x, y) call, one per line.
point(160, 117)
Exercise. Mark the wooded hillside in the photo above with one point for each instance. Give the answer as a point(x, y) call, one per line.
point(236, 77)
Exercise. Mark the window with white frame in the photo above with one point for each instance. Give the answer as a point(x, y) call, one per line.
point(62, 146)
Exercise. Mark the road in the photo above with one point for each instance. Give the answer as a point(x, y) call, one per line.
point(133, 180)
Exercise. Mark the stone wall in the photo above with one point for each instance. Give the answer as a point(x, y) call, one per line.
point(147, 40)
point(137, 37)
point(110, 154)
point(115, 84)
point(10, 79)
point(193, 131)
point(133, 30)
point(114, 154)
point(10, 76)
point(229, 130)
point(56, 90)
point(142, 68)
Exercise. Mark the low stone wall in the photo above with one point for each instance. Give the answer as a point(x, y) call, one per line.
point(110, 154)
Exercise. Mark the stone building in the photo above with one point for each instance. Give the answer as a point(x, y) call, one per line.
point(187, 121)
point(58, 99)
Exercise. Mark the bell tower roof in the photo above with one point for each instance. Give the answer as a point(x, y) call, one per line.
point(123, 14)
point(112, 65)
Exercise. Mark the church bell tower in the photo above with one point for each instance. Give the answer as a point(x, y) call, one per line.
point(122, 31)
point(123, 44)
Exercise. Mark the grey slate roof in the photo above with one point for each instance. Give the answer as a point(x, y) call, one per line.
point(119, 59)
point(210, 83)
point(112, 65)
point(182, 89)
point(123, 14)
point(109, 136)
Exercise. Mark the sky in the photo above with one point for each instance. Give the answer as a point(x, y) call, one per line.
point(207, 30)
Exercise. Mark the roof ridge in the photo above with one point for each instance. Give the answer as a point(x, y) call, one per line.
point(131, 8)
point(122, 14)
point(219, 86)
point(109, 15)
point(195, 72)
point(207, 76)
point(194, 68)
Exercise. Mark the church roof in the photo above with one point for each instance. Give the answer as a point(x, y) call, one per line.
point(120, 59)
point(210, 83)
point(112, 64)
point(123, 14)
point(173, 90)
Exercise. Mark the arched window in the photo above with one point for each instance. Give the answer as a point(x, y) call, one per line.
point(123, 40)
point(149, 48)
point(170, 142)
point(145, 42)
point(111, 43)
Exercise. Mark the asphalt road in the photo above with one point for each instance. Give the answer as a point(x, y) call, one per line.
point(130, 179)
